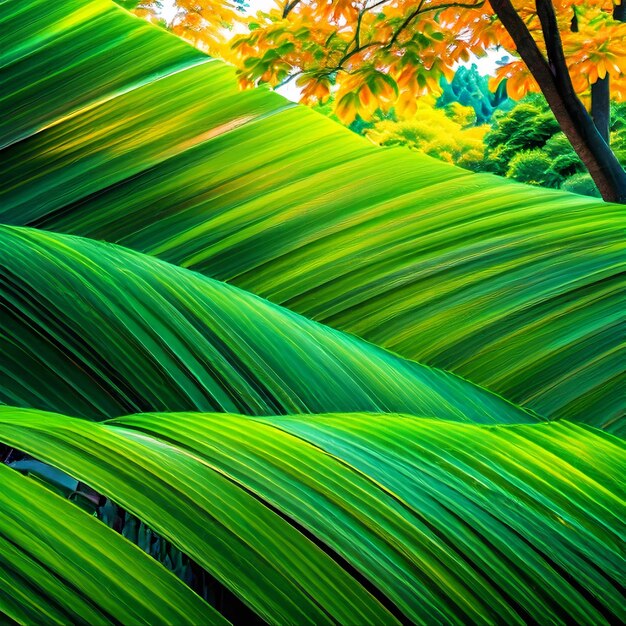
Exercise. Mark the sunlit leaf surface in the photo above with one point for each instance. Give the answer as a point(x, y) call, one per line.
point(138, 139)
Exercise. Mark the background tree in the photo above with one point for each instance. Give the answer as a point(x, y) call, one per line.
point(386, 53)
point(527, 144)
point(470, 88)
point(527, 127)
point(448, 135)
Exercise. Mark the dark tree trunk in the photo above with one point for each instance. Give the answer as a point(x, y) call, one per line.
point(601, 90)
point(600, 97)
point(601, 106)
point(553, 78)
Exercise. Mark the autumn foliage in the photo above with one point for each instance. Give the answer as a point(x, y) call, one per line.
point(388, 53)
point(383, 55)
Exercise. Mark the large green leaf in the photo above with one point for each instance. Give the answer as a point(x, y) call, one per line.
point(452, 523)
point(93, 330)
point(59, 565)
point(73, 56)
point(514, 288)
point(252, 550)
point(475, 548)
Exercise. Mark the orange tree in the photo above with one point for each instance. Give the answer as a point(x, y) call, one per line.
point(386, 53)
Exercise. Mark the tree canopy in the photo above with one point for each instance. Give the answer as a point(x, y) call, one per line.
point(382, 54)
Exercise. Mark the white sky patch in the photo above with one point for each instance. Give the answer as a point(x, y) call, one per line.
point(488, 64)
point(168, 11)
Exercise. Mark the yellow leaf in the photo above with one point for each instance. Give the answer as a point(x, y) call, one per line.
point(346, 109)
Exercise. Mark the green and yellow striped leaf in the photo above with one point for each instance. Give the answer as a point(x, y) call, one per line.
point(59, 565)
point(279, 573)
point(442, 522)
point(93, 330)
point(136, 138)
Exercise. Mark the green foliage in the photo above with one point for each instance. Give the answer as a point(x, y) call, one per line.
point(253, 551)
point(581, 184)
point(191, 343)
point(527, 126)
point(618, 130)
point(434, 132)
point(533, 167)
point(471, 89)
point(564, 160)
point(526, 144)
point(311, 476)
point(394, 497)
point(59, 564)
point(126, 524)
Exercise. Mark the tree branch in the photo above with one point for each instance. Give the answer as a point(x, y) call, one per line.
point(289, 7)
point(454, 5)
point(348, 55)
point(552, 37)
point(428, 9)
point(405, 24)
point(287, 80)
point(411, 16)
point(357, 32)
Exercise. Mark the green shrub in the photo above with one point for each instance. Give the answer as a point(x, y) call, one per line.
point(533, 167)
point(582, 184)
point(529, 125)
point(565, 161)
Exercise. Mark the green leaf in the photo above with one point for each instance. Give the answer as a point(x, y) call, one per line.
point(450, 522)
point(59, 565)
point(138, 139)
point(250, 549)
point(138, 334)
point(555, 488)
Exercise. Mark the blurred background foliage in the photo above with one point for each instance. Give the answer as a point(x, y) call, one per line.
point(472, 127)
point(471, 89)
